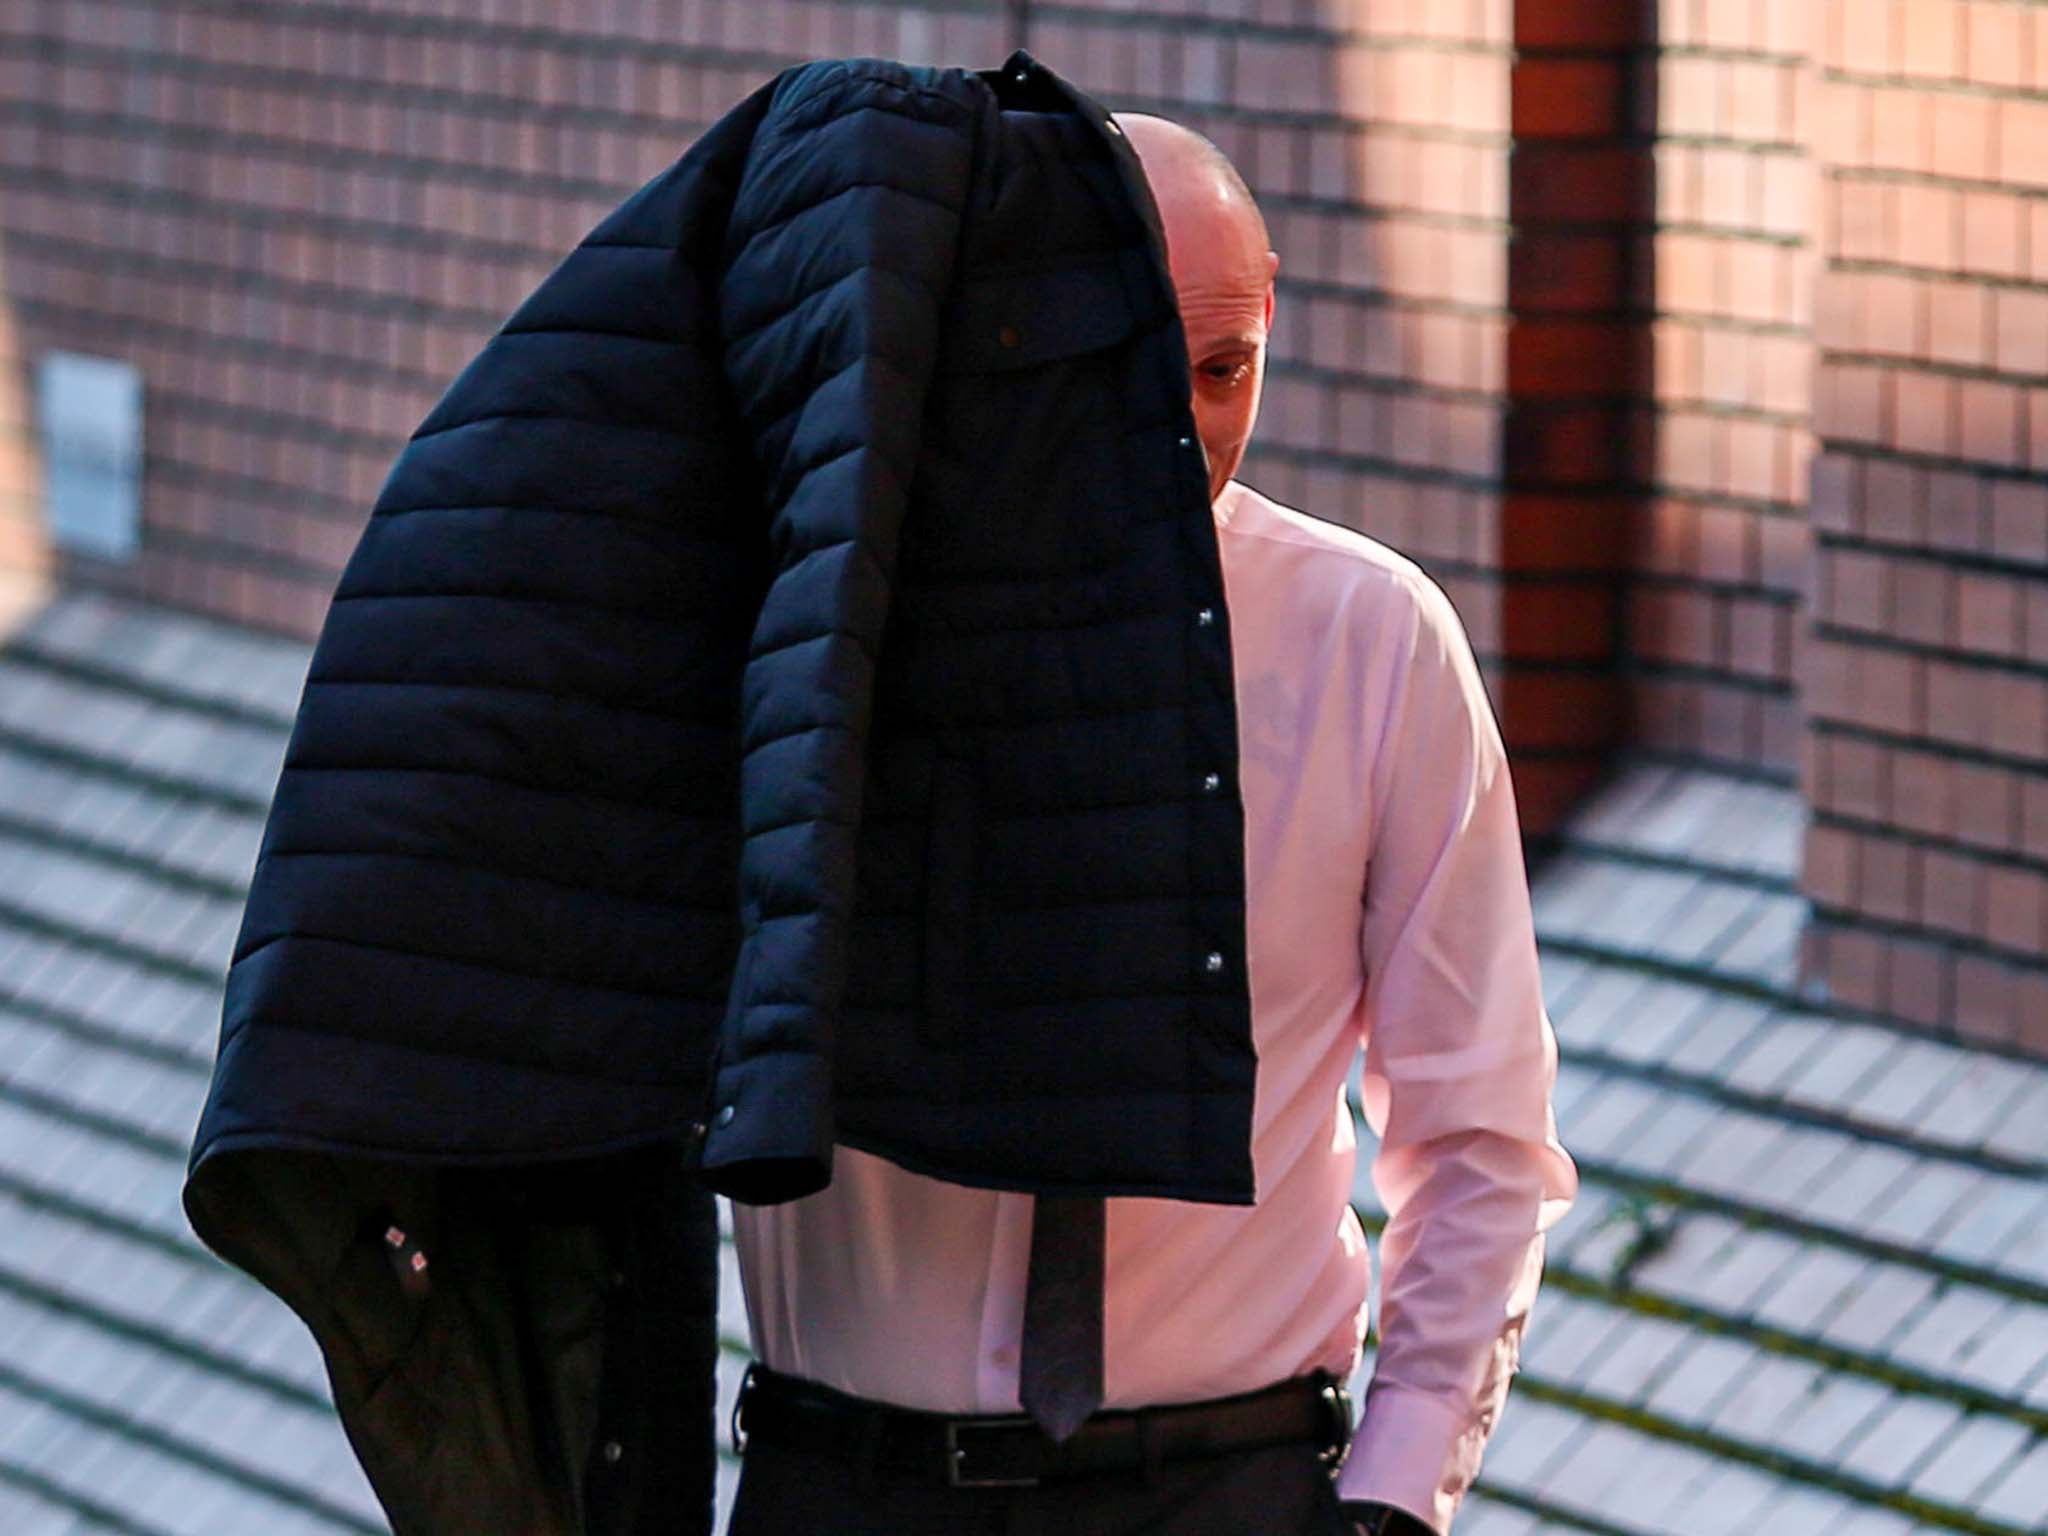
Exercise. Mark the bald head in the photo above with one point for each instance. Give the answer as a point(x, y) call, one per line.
point(1189, 169)
point(1222, 268)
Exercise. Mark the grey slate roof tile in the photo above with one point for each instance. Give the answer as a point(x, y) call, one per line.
point(1655, 899)
point(1930, 1201)
point(1866, 1520)
point(1595, 1204)
point(1718, 1033)
point(1601, 1250)
point(1852, 1054)
point(1603, 1127)
point(1571, 1334)
point(30, 1430)
point(1863, 1175)
point(1707, 1372)
point(1635, 1356)
point(1803, 1508)
point(1655, 1483)
point(1573, 892)
point(1918, 1073)
point(1760, 1400)
point(1876, 1308)
point(1716, 1265)
point(2022, 1128)
point(1715, 914)
point(1780, 1179)
point(1833, 1418)
point(1616, 811)
point(1533, 1440)
point(1664, 1146)
point(1977, 1100)
point(2002, 1211)
point(29, 1514)
point(1911, 1432)
point(1731, 1499)
point(1970, 1460)
point(2014, 1353)
point(1809, 1291)
point(2021, 1493)
point(1654, 1020)
point(1722, 1161)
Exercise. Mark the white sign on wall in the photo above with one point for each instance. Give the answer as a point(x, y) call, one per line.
point(89, 417)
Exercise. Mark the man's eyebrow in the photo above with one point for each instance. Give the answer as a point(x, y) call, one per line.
point(1249, 339)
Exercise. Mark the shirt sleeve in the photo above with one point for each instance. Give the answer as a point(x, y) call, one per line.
point(1460, 1061)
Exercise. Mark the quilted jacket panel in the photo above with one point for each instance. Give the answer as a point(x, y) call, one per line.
point(770, 705)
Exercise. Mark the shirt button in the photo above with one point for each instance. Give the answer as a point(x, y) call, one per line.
point(1003, 1355)
point(1008, 336)
point(613, 1450)
point(1212, 781)
point(1205, 616)
point(1213, 961)
point(725, 1115)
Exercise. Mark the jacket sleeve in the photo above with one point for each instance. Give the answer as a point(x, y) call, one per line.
point(837, 260)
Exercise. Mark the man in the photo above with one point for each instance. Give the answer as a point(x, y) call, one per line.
point(1388, 904)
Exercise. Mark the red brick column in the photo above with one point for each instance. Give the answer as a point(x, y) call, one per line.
point(1577, 371)
point(1927, 694)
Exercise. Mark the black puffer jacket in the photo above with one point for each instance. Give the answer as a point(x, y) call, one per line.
point(782, 695)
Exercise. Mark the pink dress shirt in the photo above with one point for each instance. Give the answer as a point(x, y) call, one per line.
point(1388, 906)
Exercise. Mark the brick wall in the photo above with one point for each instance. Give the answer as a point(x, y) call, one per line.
point(301, 220)
point(1926, 755)
point(1723, 552)
point(1744, 255)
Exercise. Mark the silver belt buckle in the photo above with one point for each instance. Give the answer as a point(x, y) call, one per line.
point(956, 1453)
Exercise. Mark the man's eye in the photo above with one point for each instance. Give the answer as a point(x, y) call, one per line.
point(1225, 373)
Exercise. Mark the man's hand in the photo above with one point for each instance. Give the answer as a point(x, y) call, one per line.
point(1369, 1517)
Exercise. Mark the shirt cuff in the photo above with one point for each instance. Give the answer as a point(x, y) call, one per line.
point(1413, 1451)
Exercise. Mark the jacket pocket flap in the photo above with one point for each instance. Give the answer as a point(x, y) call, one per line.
point(1019, 320)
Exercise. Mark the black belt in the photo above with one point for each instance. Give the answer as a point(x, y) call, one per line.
point(1011, 1451)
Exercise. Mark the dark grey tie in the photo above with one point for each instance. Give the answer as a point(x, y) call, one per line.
point(1060, 1366)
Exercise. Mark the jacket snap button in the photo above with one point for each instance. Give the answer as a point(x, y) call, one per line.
point(613, 1450)
point(1212, 781)
point(725, 1115)
point(1187, 442)
point(698, 1129)
point(1213, 961)
point(1111, 126)
point(1205, 616)
point(1008, 336)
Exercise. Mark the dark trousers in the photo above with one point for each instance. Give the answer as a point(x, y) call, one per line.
point(1283, 1490)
